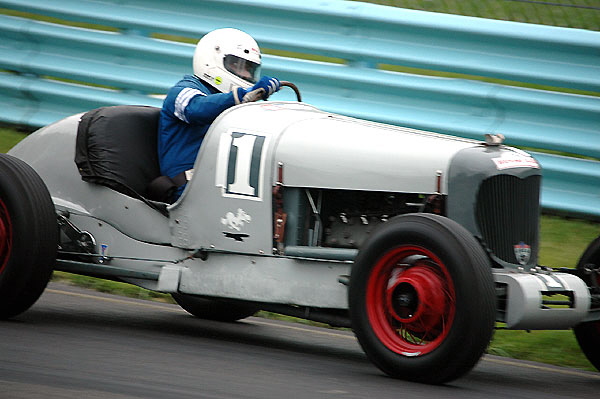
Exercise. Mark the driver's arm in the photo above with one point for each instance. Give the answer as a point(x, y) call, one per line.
point(196, 107)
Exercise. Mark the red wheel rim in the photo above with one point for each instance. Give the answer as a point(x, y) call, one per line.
point(5, 236)
point(410, 300)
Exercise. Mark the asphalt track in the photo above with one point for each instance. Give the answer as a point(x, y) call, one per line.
point(76, 343)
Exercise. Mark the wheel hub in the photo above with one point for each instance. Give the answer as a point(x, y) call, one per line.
point(417, 298)
point(404, 301)
point(411, 303)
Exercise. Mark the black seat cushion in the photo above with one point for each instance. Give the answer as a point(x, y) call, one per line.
point(117, 147)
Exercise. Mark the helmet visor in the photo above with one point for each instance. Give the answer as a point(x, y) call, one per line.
point(242, 68)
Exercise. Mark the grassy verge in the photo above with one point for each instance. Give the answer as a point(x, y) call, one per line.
point(551, 347)
point(9, 137)
point(567, 13)
point(562, 243)
point(111, 287)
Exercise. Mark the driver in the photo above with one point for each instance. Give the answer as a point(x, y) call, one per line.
point(226, 73)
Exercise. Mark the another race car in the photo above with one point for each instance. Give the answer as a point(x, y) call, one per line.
point(420, 242)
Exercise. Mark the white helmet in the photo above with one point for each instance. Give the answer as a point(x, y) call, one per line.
point(227, 58)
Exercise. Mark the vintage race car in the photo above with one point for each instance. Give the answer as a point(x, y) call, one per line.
point(420, 242)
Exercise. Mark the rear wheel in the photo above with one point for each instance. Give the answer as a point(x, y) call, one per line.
point(215, 309)
point(28, 236)
point(422, 299)
point(588, 334)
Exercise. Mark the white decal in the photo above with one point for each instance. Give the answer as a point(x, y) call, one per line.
point(550, 283)
point(236, 222)
point(509, 160)
point(243, 161)
point(240, 166)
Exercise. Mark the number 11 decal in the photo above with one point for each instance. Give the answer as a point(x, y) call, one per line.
point(244, 164)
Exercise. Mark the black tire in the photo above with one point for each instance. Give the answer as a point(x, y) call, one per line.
point(422, 299)
point(215, 309)
point(588, 334)
point(28, 236)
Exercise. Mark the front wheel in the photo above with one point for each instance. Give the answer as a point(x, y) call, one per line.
point(422, 299)
point(588, 334)
point(28, 236)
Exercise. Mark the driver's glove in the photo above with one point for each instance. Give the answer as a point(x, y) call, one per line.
point(260, 91)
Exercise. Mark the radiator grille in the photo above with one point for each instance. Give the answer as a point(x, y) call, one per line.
point(508, 215)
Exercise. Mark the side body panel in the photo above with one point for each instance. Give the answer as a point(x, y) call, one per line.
point(51, 151)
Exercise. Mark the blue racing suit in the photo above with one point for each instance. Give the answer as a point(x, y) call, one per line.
point(187, 112)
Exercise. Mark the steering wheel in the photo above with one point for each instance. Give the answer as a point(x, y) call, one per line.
point(293, 87)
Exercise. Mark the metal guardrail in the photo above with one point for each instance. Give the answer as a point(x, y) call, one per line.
point(130, 65)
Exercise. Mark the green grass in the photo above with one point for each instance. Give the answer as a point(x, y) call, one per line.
point(564, 240)
point(111, 287)
point(551, 347)
point(583, 14)
point(9, 137)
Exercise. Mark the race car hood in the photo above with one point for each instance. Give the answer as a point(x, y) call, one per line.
point(332, 151)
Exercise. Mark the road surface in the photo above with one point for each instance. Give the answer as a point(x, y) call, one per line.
point(76, 343)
